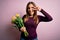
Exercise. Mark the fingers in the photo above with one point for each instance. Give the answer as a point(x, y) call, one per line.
point(36, 8)
point(23, 29)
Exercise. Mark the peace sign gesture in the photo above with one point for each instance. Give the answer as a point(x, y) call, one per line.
point(37, 8)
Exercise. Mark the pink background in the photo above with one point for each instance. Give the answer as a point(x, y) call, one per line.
point(45, 30)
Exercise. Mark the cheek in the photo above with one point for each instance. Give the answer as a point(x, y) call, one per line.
point(31, 11)
point(28, 10)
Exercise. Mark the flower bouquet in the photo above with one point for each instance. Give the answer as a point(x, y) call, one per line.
point(17, 20)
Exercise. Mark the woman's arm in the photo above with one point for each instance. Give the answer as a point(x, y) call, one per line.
point(46, 16)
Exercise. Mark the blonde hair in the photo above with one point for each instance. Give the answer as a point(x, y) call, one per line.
point(35, 17)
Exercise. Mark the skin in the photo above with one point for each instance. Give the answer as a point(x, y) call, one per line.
point(31, 9)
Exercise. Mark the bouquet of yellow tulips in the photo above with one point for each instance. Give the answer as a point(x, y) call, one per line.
point(17, 20)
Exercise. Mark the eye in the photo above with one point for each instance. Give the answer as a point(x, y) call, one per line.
point(28, 8)
point(32, 7)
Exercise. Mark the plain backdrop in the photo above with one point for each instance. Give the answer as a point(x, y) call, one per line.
point(45, 30)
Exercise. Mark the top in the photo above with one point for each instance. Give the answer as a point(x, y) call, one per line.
point(31, 26)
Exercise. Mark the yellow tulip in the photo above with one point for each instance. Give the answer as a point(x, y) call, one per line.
point(13, 18)
point(17, 15)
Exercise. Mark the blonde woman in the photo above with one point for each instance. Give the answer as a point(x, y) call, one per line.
point(31, 21)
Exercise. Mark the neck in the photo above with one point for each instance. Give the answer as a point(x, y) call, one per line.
point(30, 16)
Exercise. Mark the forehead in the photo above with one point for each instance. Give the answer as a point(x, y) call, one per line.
point(31, 5)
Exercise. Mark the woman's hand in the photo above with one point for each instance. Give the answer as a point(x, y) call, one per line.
point(23, 29)
point(37, 8)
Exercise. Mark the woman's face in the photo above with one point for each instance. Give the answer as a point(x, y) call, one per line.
point(30, 9)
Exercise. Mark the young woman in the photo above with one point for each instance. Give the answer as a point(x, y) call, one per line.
point(31, 21)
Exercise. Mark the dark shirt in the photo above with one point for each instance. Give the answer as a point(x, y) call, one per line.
point(31, 26)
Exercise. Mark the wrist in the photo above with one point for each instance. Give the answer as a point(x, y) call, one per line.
point(40, 9)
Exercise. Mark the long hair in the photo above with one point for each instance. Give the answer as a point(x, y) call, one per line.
point(35, 13)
